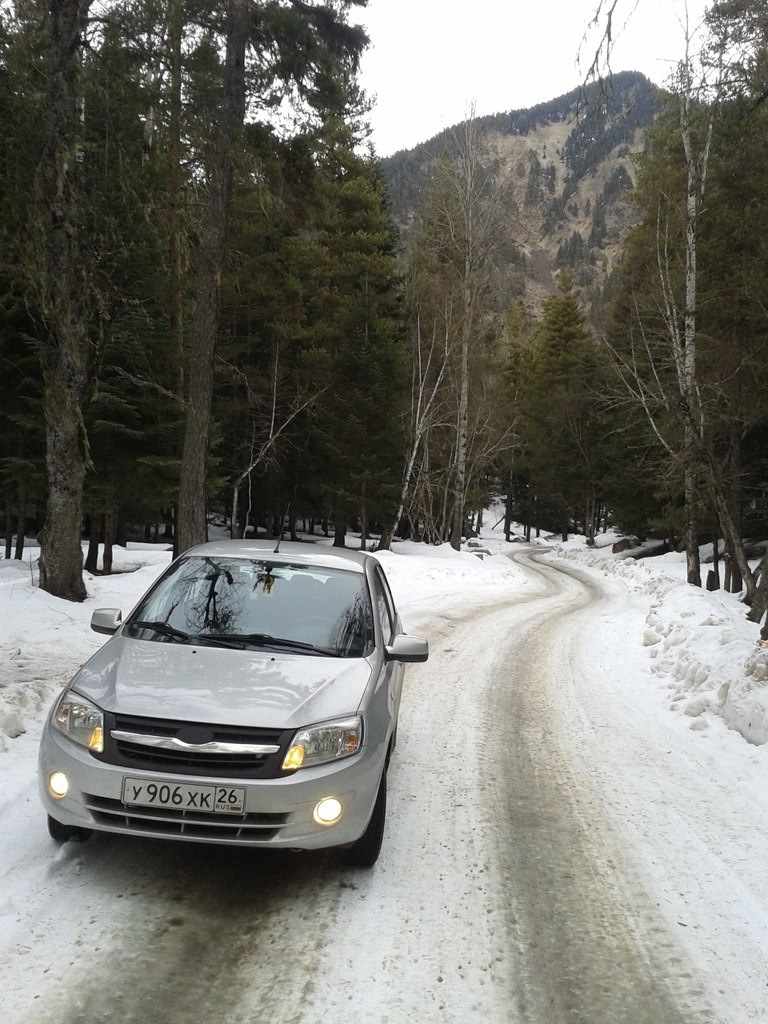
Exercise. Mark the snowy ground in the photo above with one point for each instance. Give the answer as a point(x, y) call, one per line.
point(686, 661)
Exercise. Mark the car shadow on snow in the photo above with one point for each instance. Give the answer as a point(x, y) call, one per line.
point(189, 929)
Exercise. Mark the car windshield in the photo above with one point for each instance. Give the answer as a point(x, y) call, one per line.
point(237, 602)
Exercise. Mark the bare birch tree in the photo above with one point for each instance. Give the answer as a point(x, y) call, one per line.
point(430, 350)
point(697, 152)
point(695, 125)
point(261, 448)
point(680, 322)
point(462, 231)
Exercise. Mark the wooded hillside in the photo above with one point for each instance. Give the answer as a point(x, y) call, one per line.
point(568, 172)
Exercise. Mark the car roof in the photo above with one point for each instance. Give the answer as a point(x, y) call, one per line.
point(309, 554)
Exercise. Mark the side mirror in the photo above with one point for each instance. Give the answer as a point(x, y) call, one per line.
point(407, 648)
point(106, 620)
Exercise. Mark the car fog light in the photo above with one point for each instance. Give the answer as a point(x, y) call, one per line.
point(58, 784)
point(328, 811)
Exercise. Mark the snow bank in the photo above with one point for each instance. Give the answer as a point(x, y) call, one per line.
point(44, 640)
point(420, 573)
point(701, 646)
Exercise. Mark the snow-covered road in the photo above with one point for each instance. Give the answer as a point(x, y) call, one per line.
point(539, 866)
point(592, 943)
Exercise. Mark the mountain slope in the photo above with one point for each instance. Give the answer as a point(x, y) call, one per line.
point(567, 167)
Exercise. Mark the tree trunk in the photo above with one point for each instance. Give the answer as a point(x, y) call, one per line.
point(589, 518)
point(760, 600)
point(65, 353)
point(194, 462)
point(457, 524)
point(110, 523)
point(736, 581)
point(713, 579)
point(734, 541)
point(340, 529)
point(508, 510)
point(61, 553)
point(423, 401)
point(8, 524)
point(21, 525)
point(691, 532)
point(94, 535)
point(696, 169)
point(385, 540)
point(363, 520)
point(175, 317)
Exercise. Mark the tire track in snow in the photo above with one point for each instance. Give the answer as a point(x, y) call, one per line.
point(592, 944)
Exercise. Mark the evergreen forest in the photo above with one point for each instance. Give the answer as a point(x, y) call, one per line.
point(217, 305)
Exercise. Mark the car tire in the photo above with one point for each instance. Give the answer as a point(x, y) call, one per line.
point(66, 833)
point(365, 851)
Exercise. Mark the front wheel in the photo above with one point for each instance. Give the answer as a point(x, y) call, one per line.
point(65, 833)
point(365, 851)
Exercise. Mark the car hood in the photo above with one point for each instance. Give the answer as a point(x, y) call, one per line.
point(215, 685)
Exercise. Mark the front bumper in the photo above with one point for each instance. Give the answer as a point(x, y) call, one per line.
point(277, 813)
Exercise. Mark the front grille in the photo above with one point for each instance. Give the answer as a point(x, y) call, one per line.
point(133, 754)
point(161, 821)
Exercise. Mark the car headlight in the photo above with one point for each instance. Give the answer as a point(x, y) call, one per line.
point(320, 744)
point(80, 721)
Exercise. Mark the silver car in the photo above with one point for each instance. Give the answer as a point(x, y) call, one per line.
point(250, 698)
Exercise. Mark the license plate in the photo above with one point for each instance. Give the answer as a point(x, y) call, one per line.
point(177, 796)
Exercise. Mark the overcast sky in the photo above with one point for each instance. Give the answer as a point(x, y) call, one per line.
point(430, 61)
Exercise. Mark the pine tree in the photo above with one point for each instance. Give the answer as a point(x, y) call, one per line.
point(561, 426)
point(300, 46)
point(357, 443)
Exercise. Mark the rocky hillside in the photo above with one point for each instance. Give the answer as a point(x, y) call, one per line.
point(568, 170)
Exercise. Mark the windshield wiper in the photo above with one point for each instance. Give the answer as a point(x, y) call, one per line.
point(216, 639)
point(222, 640)
point(237, 640)
point(266, 640)
point(164, 628)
